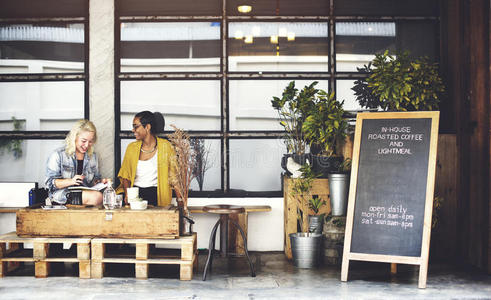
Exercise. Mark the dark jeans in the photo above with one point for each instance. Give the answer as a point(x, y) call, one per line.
point(149, 194)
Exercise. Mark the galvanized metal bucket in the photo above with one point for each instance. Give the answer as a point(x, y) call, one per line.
point(316, 223)
point(306, 249)
point(338, 190)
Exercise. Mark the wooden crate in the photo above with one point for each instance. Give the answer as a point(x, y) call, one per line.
point(40, 255)
point(157, 222)
point(142, 257)
point(320, 188)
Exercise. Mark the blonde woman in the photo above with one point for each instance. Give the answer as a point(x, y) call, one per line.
point(75, 164)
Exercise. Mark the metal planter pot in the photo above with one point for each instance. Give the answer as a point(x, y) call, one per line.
point(306, 249)
point(316, 223)
point(338, 190)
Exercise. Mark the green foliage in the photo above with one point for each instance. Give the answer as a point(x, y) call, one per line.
point(293, 108)
point(301, 190)
point(325, 125)
point(345, 166)
point(315, 204)
point(13, 146)
point(399, 83)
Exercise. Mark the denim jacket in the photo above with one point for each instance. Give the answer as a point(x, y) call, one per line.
point(60, 165)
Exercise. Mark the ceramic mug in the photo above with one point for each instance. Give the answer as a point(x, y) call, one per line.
point(132, 193)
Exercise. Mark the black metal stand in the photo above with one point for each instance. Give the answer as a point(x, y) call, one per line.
point(223, 223)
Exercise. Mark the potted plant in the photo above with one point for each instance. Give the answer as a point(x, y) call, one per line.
point(399, 83)
point(183, 164)
point(325, 129)
point(339, 188)
point(292, 108)
point(305, 244)
point(316, 220)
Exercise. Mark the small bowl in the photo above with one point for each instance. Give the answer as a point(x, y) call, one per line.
point(139, 204)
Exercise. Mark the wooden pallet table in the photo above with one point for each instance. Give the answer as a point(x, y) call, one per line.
point(142, 257)
point(12, 251)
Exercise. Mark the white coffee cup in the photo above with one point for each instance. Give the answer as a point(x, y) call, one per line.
point(132, 193)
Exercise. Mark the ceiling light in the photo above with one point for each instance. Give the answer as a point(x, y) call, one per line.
point(282, 32)
point(248, 39)
point(244, 8)
point(291, 36)
point(273, 39)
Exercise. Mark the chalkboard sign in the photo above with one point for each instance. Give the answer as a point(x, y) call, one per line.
point(391, 192)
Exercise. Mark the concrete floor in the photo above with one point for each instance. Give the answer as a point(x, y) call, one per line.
point(276, 279)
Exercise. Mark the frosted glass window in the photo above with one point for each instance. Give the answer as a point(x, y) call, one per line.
point(250, 102)
point(188, 104)
point(50, 48)
point(30, 163)
point(255, 164)
point(170, 47)
point(42, 105)
point(278, 47)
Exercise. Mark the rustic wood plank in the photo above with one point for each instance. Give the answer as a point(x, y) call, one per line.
point(3, 268)
point(141, 270)
point(153, 222)
point(97, 250)
point(41, 269)
point(248, 208)
point(142, 251)
point(83, 251)
point(186, 271)
point(84, 268)
point(96, 269)
point(40, 250)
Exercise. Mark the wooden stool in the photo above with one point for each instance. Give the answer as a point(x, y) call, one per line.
point(224, 211)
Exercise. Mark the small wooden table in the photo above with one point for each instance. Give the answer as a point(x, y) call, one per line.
point(242, 219)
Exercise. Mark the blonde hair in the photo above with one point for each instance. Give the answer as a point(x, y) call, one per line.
point(78, 127)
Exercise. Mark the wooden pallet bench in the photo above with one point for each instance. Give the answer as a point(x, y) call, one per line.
point(142, 257)
point(12, 252)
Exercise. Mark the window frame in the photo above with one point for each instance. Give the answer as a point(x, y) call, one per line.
point(225, 134)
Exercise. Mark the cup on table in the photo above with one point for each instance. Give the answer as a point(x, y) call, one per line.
point(119, 201)
point(132, 193)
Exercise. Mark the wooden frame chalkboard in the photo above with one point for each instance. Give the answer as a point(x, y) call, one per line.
point(391, 190)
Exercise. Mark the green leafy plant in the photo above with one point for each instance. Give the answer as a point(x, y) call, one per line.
point(345, 166)
point(399, 83)
point(315, 204)
point(293, 108)
point(301, 190)
point(13, 146)
point(325, 125)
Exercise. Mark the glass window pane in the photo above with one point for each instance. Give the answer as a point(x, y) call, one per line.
point(250, 102)
point(255, 164)
point(210, 151)
point(386, 8)
point(358, 42)
point(344, 92)
point(165, 47)
point(169, 7)
point(188, 104)
point(277, 47)
point(280, 8)
point(42, 105)
point(44, 8)
point(50, 48)
point(30, 166)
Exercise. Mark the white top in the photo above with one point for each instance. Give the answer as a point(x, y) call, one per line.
point(146, 172)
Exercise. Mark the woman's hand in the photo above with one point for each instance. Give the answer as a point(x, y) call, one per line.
point(78, 179)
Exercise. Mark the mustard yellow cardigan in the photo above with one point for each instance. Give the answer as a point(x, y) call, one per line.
point(165, 152)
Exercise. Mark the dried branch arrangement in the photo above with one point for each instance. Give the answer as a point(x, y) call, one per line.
point(183, 163)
